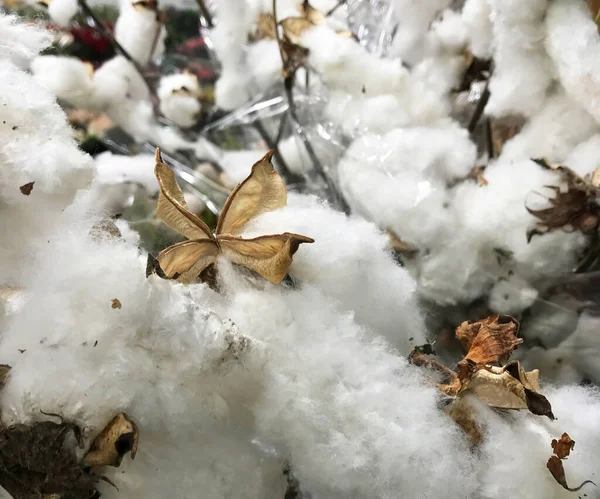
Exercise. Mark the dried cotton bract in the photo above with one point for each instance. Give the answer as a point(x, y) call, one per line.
point(263, 191)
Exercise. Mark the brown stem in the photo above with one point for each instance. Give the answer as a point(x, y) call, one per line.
point(101, 27)
point(336, 7)
point(205, 13)
point(288, 82)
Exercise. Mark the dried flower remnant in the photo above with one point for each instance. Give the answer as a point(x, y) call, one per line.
point(574, 207)
point(119, 437)
point(562, 448)
point(26, 188)
point(489, 341)
point(263, 191)
point(116, 303)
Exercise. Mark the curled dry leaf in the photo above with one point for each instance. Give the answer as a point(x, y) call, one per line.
point(576, 207)
point(116, 303)
point(26, 188)
point(509, 387)
point(263, 191)
point(490, 340)
point(449, 384)
point(562, 448)
point(118, 438)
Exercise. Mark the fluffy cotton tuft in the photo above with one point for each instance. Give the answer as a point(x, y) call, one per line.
point(179, 99)
point(63, 11)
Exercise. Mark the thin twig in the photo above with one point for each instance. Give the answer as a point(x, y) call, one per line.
point(483, 100)
point(205, 13)
point(284, 169)
point(288, 83)
point(100, 26)
point(336, 7)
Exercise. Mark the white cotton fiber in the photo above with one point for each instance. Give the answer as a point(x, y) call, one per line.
point(380, 294)
point(399, 180)
point(63, 11)
point(572, 43)
point(20, 43)
point(522, 70)
point(476, 16)
point(115, 169)
point(179, 98)
point(559, 118)
point(584, 159)
point(69, 78)
point(140, 33)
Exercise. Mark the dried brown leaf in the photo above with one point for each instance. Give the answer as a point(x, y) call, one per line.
point(555, 465)
point(119, 437)
point(264, 28)
point(186, 260)
point(270, 256)
point(116, 303)
point(261, 192)
point(450, 383)
point(26, 188)
point(490, 340)
point(594, 6)
point(509, 387)
point(576, 207)
point(294, 57)
point(563, 447)
point(172, 208)
point(294, 27)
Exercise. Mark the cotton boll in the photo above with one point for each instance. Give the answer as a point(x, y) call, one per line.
point(117, 80)
point(68, 78)
point(567, 124)
point(264, 61)
point(572, 42)
point(345, 65)
point(140, 32)
point(523, 71)
point(231, 89)
point(476, 16)
point(399, 180)
point(380, 294)
point(511, 296)
point(63, 11)
point(415, 20)
point(179, 99)
point(20, 42)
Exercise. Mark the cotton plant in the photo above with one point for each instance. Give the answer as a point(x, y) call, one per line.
point(118, 88)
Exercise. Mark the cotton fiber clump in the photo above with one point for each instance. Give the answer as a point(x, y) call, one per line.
point(140, 31)
point(39, 157)
point(179, 96)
